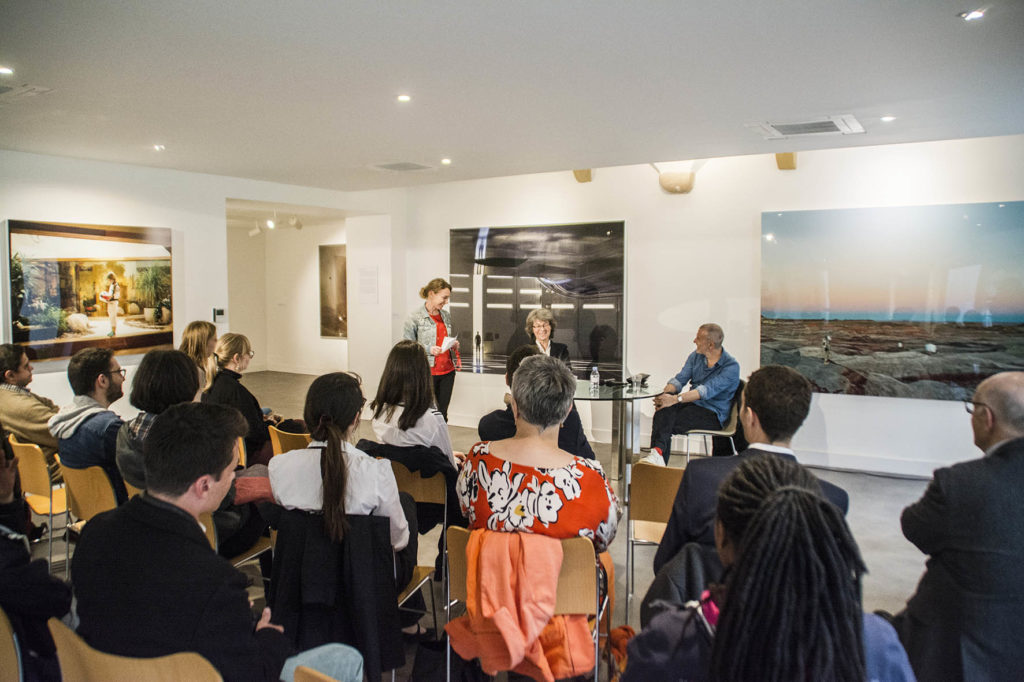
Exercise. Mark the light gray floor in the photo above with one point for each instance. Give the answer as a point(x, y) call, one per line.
point(875, 504)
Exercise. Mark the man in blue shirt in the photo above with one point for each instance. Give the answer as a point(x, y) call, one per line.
point(713, 376)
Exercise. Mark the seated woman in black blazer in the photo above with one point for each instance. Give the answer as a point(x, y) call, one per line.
point(233, 354)
point(540, 327)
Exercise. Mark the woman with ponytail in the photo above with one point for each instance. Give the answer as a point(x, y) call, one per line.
point(790, 608)
point(332, 476)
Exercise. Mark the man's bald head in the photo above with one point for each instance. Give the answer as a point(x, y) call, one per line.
point(999, 409)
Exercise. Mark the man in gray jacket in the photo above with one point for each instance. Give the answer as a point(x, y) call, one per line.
point(86, 430)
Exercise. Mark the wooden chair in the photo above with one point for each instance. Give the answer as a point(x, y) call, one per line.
point(579, 584)
point(10, 656)
point(431, 491)
point(727, 431)
point(243, 458)
point(81, 663)
point(649, 511)
point(282, 441)
point(304, 674)
point(89, 493)
point(132, 490)
point(262, 545)
point(42, 497)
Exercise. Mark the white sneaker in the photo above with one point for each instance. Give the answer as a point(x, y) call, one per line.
point(653, 458)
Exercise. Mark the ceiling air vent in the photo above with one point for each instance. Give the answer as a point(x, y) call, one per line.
point(10, 95)
point(832, 125)
point(401, 167)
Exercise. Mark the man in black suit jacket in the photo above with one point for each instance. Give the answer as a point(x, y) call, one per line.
point(966, 620)
point(501, 424)
point(149, 584)
point(773, 406)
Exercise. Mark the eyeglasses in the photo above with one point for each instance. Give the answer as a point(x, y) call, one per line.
point(123, 372)
point(970, 406)
point(541, 325)
point(251, 353)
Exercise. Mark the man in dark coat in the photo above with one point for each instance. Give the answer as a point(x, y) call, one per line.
point(149, 584)
point(774, 404)
point(501, 424)
point(966, 620)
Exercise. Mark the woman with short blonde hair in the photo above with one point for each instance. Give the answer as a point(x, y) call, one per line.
point(233, 354)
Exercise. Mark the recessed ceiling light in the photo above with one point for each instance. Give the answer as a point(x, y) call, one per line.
point(404, 98)
point(446, 162)
point(270, 224)
point(887, 119)
point(972, 14)
point(159, 147)
point(6, 70)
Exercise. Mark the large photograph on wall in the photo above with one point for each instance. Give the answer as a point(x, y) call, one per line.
point(500, 274)
point(908, 302)
point(76, 286)
point(333, 292)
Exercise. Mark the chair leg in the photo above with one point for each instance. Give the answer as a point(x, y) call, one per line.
point(733, 444)
point(433, 606)
point(49, 539)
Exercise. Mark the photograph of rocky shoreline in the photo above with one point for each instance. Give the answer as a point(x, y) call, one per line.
point(904, 301)
point(936, 361)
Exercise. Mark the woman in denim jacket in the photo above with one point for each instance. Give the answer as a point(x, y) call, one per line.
point(428, 325)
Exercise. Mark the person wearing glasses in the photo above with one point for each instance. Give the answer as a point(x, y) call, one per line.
point(233, 354)
point(540, 327)
point(86, 430)
point(966, 620)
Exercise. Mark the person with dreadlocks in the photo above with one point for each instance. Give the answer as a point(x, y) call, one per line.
point(790, 606)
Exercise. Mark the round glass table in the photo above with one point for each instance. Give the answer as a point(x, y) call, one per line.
point(625, 415)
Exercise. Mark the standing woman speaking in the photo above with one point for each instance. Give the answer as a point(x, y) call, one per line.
point(428, 325)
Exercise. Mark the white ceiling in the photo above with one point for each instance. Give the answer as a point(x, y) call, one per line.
point(304, 91)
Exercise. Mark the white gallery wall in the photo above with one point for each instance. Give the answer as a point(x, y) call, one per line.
point(690, 259)
point(696, 258)
point(58, 189)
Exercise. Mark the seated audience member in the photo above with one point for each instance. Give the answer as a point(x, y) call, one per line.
point(713, 376)
point(147, 582)
point(199, 342)
point(773, 406)
point(334, 477)
point(540, 327)
point(403, 409)
point(165, 378)
point(86, 430)
point(790, 608)
point(29, 595)
point(526, 482)
point(530, 492)
point(966, 620)
point(501, 424)
point(233, 354)
point(26, 414)
point(331, 475)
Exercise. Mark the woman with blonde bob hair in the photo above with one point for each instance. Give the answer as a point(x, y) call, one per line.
point(233, 354)
point(540, 327)
point(199, 341)
point(429, 325)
